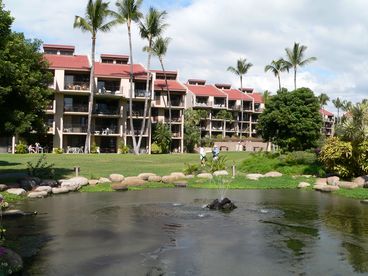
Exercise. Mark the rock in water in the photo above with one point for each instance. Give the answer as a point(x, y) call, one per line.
point(223, 205)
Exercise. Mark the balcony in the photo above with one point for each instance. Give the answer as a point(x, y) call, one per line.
point(51, 107)
point(106, 111)
point(173, 119)
point(203, 104)
point(142, 93)
point(137, 131)
point(50, 127)
point(103, 130)
point(76, 108)
point(75, 128)
point(176, 134)
point(136, 113)
point(77, 85)
point(235, 107)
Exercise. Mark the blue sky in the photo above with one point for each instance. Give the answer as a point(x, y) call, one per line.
point(210, 35)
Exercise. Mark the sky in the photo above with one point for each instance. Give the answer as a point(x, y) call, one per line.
point(208, 36)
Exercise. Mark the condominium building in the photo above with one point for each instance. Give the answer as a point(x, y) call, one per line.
point(328, 124)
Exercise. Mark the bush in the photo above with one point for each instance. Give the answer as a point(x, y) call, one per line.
point(21, 148)
point(123, 149)
point(298, 158)
point(207, 142)
point(191, 169)
point(94, 149)
point(155, 149)
point(41, 168)
point(58, 151)
point(216, 165)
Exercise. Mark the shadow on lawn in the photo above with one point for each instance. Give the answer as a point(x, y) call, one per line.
point(6, 163)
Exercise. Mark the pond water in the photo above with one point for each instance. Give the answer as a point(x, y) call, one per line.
point(168, 232)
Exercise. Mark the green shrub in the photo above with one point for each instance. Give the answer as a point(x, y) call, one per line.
point(298, 158)
point(41, 168)
point(58, 151)
point(94, 148)
point(207, 142)
point(155, 149)
point(191, 168)
point(362, 158)
point(21, 148)
point(123, 149)
point(216, 165)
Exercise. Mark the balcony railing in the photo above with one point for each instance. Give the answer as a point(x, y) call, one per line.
point(103, 130)
point(177, 103)
point(77, 85)
point(203, 104)
point(219, 105)
point(106, 111)
point(176, 134)
point(113, 89)
point(137, 132)
point(76, 108)
point(142, 93)
point(75, 128)
point(173, 119)
point(136, 113)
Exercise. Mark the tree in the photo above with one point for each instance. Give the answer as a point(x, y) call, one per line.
point(323, 99)
point(152, 26)
point(24, 80)
point(276, 67)
point(242, 67)
point(291, 120)
point(338, 104)
point(97, 13)
point(162, 137)
point(266, 96)
point(192, 133)
point(159, 49)
point(128, 12)
point(295, 58)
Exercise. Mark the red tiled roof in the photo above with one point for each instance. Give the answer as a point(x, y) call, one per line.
point(119, 70)
point(67, 62)
point(247, 90)
point(114, 56)
point(205, 90)
point(173, 85)
point(193, 81)
point(325, 112)
point(171, 72)
point(258, 98)
point(223, 85)
point(59, 46)
point(235, 94)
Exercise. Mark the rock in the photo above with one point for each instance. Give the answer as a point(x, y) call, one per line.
point(168, 179)
point(17, 213)
point(116, 177)
point(318, 187)
point(49, 182)
point(364, 201)
point(189, 176)
point(145, 176)
point(254, 176)
point(133, 181)
point(306, 175)
point(71, 186)
point(154, 178)
point(348, 185)
point(79, 180)
point(16, 191)
point(28, 183)
point(361, 180)
point(322, 181)
point(61, 190)
point(273, 174)
point(220, 173)
point(328, 188)
point(205, 175)
point(93, 182)
point(119, 187)
point(303, 185)
point(41, 194)
point(11, 262)
point(223, 205)
point(180, 183)
point(178, 175)
point(3, 187)
point(333, 180)
point(104, 180)
point(46, 189)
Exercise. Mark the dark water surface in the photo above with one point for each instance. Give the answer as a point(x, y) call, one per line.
point(167, 232)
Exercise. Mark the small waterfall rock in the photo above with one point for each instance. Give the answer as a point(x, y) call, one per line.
point(222, 205)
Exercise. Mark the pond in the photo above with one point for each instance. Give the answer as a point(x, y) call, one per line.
point(168, 232)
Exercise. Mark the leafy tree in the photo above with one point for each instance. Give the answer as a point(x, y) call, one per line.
point(24, 81)
point(224, 115)
point(128, 12)
point(95, 20)
point(266, 96)
point(162, 137)
point(295, 58)
point(338, 104)
point(242, 67)
point(276, 67)
point(291, 120)
point(192, 133)
point(151, 27)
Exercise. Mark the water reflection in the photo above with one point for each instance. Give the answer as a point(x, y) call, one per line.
point(167, 232)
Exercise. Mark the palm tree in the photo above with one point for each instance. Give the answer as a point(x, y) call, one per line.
point(97, 14)
point(346, 105)
point(152, 26)
point(338, 104)
point(354, 127)
point(323, 99)
point(128, 12)
point(159, 49)
point(276, 67)
point(242, 67)
point(295, 58)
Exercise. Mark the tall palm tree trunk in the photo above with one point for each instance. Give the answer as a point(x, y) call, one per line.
point(146, 106)
point(136, 150)
point(295, 78)
point(278, 76)
point(168, 95)
point(87, 145)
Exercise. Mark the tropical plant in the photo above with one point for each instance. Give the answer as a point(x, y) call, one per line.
point(323, 99)
point(224, 115)
point(346, 105)
point(151, 27)
point(94, 148)
point(95, 20)
point(123, 149)
point(192, 169)
point(242, 67)
point(58, 151)
point(276, 67)
point(155, 149)
point(338, 104)
point(128, 12)
point(162, 137)
point(216, 165)
point(266, 97)
point(295, 58)
point(41, 168)
point(192, 133)
point(20, 148)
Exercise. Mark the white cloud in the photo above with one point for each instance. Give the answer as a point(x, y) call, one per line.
point(210, 35)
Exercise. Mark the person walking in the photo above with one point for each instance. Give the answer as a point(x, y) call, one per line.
point(202, 156)
point(215, 153)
